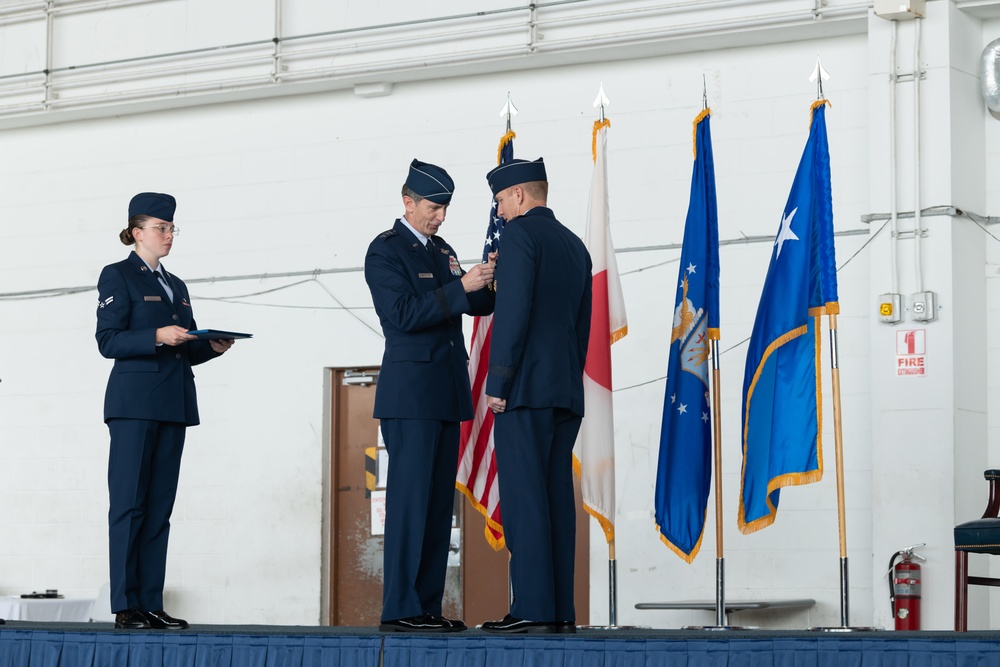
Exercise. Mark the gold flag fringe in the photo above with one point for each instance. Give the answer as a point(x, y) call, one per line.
point(504, 140)
point(497, 544)
point(688, 558)
point(606, 525)
point(598, 124)
point(694, 130)
point(793, 478)
point(815, 105)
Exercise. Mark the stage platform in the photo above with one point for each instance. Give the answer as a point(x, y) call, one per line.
point(24, 644)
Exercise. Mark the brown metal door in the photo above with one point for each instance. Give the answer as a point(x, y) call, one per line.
point(355, 554)
point(476, 589)
point(355, 550)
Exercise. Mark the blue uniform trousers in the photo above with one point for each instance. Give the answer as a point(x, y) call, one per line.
point(420, 500)
point(534, 450)
point(143, 467)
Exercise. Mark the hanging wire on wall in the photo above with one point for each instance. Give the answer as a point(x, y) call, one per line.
point(313, 277)
point(315, 273)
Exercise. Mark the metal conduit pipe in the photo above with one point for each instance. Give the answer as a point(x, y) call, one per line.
point(231, 84)
point(894, 261)
point(11, 17)
point(713, 27)
point(105, 99)
point(65, 7)
point(38, 11)
point(12, 7)
point(393, 40)
point(163, 57)
point(139, 75)
point(782, 20)
point(162, 93)
point(189, 68)
point(278, 28)
point(680, 8)
point(49, 46)
point(318, 52)
point(22, 81)
point(918, 268)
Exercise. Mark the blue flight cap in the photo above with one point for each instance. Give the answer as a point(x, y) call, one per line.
point(515, 172)
point(153, 204)
point(430, 182)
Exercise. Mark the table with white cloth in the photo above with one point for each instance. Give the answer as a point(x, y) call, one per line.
point(66, 610)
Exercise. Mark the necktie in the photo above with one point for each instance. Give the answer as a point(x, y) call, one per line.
point(429, 245)
point(166, 286)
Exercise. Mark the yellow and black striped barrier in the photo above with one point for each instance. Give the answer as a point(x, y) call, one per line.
point(371, 470)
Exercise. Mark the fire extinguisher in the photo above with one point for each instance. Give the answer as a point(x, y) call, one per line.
point(904, 588)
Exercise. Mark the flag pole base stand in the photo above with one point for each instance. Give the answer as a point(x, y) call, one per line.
point(840, 628)
point(720, 628)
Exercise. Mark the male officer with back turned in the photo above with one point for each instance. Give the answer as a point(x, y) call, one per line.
point(420, 293)
point(541, 328)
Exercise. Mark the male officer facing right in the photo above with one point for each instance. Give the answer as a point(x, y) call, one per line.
point(420, 293)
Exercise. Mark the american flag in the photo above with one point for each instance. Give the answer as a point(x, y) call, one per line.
point(477, 463)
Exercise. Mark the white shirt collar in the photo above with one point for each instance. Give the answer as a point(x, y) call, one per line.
point(420, 237)
point(158, 269)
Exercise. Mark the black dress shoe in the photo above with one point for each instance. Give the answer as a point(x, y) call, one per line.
point(512, 625)
point(456, 625)
point(131, 619)
point(422, 623)
point(161, 620)
point(565, 627)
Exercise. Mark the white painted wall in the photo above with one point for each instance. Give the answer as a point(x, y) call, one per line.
point(304, 182)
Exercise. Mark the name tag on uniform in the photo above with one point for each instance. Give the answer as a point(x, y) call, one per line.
point(425, 275)
point(151, 298)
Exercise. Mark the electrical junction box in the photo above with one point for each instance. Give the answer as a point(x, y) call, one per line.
point(901, 10)
point(889, 309)
point(922, 307)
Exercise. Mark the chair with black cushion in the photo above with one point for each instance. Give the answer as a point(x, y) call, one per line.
point(981, 536)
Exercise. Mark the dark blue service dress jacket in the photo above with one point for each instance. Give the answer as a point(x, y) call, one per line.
point(147, 381)
point(420, 300)
point(541, 327)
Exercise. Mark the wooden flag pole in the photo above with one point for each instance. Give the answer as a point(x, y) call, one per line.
point(720, 561)
point(838, 436)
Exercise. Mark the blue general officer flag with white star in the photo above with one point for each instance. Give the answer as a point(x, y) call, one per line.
point(782, 398)
point(684, 469)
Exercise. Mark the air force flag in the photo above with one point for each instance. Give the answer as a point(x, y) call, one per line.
point(782, 414)
point(684, 468)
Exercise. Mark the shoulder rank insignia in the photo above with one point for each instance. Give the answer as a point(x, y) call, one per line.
point(389, 233)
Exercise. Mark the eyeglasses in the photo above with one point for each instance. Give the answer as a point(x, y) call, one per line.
point(164, 229)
